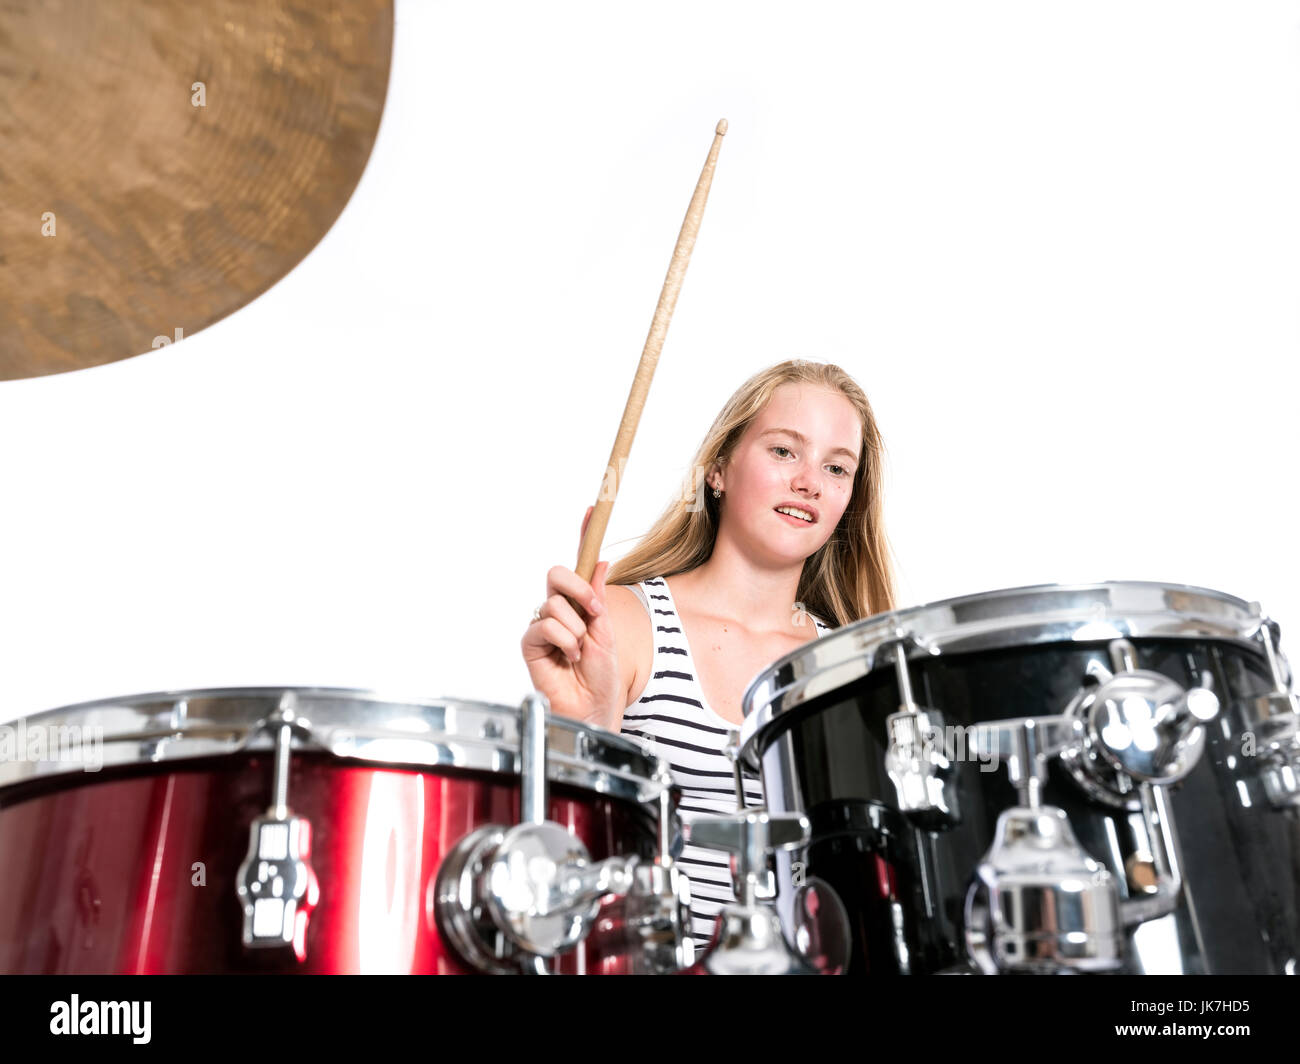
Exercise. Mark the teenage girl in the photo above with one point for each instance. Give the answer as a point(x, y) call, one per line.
point(789, 542)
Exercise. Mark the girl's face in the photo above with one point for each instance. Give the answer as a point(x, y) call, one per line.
point(800, 454)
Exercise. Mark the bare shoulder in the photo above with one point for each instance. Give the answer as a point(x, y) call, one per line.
point(632, 629)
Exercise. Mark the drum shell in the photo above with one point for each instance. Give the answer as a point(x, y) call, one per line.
point(133, 869)
point(905, 887)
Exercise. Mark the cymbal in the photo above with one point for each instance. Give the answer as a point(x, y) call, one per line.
point(165, 162)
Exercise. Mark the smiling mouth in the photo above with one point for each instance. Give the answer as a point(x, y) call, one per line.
point(798, 514)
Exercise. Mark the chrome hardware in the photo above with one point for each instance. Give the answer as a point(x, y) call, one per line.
point(1142, 732)
point(732, 750)
point(1012, 617)
point(543, 891)
point(359, 727)
point(507, 898)
point(1025, 745)
point(1138, 727)
point(460, 909)
point(1274, 721)
point(916, 759)
point(659, 903)
point(1156, 879)
point(1039, 903)
point(275, 883)
point(750, 941)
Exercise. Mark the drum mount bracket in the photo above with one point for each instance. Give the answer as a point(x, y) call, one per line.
point(749, 937)
point(509, 898)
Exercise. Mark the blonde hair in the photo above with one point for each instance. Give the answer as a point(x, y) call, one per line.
point(850, 576)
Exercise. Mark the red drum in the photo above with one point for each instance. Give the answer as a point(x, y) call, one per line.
point(126, 842)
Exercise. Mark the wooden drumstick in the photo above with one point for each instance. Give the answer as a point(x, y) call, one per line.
point(589, 550)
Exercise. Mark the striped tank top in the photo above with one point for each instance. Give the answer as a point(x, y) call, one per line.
point(673, 719)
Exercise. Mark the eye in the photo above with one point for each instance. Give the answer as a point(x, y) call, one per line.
point(839, 470)
point(780, 448)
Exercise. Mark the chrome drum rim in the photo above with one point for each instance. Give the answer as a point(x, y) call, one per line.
point(365, 727)
point(994, 620)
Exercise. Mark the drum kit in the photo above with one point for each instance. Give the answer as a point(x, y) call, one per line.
point(1055, 779)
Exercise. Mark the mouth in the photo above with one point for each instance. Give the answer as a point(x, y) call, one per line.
point(799, 515)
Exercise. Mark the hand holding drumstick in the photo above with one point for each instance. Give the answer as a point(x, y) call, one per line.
point(571, 659)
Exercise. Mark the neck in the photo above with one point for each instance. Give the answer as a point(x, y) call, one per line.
point(735, 586)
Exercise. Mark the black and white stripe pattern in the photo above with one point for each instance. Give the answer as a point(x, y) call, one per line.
point(673, 720)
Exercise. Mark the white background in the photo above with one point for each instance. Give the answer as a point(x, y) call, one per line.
point(1057, 243)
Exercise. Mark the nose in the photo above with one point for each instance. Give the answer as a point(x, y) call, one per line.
point(806, 482)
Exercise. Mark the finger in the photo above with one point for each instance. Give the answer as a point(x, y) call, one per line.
point(552, 631)
point(600, 600)
point(560, 580)
point(557, 606)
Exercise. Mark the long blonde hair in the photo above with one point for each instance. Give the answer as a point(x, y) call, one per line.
point(851, 576)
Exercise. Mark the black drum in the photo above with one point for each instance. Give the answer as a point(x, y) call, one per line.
point(1097, 778)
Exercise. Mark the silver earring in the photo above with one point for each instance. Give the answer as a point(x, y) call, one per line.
point(717, 493)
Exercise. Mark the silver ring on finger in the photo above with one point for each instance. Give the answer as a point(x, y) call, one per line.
point(537, 613)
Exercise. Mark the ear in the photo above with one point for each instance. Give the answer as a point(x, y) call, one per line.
point(714, 477)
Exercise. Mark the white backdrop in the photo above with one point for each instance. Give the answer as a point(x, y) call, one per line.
point(1057, 243)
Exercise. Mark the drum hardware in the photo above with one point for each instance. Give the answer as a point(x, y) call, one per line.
point(749, 939)
point(732, 750)
point(390, 787)
point(1039, 903)
point(1137, 726)
point(1274, 719)
point(819, 929)
point(816, 725)
point(918, 759)
point(508, 898)
point(658, 905)
point(275, 883)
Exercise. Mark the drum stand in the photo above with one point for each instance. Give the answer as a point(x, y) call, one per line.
point(749, 939)
point(510, 898)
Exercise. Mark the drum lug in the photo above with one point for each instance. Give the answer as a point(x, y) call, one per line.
point(276, 884)
point(1273, 720)
point(918, 759)
point(749, 938)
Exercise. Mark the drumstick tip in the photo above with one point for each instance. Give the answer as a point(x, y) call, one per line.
point(722, 127)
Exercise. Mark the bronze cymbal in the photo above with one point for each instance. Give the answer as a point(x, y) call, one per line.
point(167, 161)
